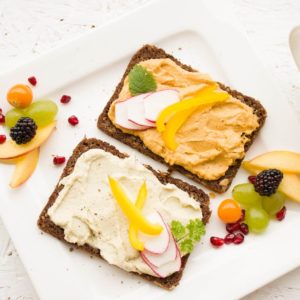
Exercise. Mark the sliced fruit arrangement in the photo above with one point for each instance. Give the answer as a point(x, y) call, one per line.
point(30, 125)
point(287, 162)
point(160, 246)
point(254, 204)
point(260, 198)
point(164, 109)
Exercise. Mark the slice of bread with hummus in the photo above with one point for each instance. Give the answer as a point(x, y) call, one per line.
point(212, 141)
point(82, 210)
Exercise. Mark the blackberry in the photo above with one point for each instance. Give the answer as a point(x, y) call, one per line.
point(267, 182)
point(24, 131)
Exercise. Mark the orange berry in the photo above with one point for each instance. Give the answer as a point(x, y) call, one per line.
point(20, 96)
point(229, 211)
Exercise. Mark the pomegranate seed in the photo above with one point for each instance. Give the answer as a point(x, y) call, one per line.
point(229, 238)
point(65, 99)
point(2, 138)
point(244, 228)
point(216, 241)
point(281, 214)
point(232, 227)
point(59, 160)
point(238, 239)
point(73, 120)
point(252, 179)
point(2, 118)
point(32, 80)
point(242, 216)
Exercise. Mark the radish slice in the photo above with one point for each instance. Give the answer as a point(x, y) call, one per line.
point(156, 244)
point(156, 102)
point(157, 260)
point(121, 116)
point(136, 112)
point(166, 269)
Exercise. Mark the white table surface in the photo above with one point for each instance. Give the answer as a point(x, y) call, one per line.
point(30, 27)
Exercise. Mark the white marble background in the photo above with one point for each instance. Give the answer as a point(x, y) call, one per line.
point(30, 27)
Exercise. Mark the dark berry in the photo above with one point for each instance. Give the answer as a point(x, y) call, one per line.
point(65, 99)
point(281, 214)
point(268, 181)
point(216, 241)
point(24, 131)
point(233, 227)
point(73, 120)
point(244, 228)
point(59, 160)
point(252, 179)
point(2, 138)
point(32, 80)
point(2, 118)
point(229, 238)
point(238, 239)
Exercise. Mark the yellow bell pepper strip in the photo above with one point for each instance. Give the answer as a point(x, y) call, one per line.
point(168, 111)
point(205, 96)
point(174, 125)
point(133, 214)
point(139, 203)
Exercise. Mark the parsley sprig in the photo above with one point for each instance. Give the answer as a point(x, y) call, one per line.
point(187, 236)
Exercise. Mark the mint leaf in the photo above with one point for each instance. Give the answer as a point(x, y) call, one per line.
point(178, 230)
point(196, 229)
point(186, 246)
point(141, 81)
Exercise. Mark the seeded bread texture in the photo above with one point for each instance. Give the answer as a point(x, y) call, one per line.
point(104, 123)
point(48, 226)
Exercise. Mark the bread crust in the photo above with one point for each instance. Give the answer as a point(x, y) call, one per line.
point(45, 223)
point(220, 185)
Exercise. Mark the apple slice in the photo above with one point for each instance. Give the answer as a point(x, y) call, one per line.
point(157, 260)
point(290, 184)
point(156, 102)
point(25, 167)
point(136, 111)
point(167, 268)
point(11, 150)
point(156, 244)
point(121, 114)
point(286, 161)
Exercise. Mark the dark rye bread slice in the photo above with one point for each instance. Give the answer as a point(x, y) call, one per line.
point(104, 123)
point(48, 226)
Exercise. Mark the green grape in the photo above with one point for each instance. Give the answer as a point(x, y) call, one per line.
point(12, 117)
point(43, 112)
point(274, 203)
point(257, 219)
point(245, 194)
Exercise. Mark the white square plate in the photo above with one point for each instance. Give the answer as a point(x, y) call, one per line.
point(88, 69)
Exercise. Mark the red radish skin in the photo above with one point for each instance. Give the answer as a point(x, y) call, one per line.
point(157, 260)
point(144, 127)
point(151, 242)
point(156, 102)
point(136, 111)
point(168, 268)
point(121, 116)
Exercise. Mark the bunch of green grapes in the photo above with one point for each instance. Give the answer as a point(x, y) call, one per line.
point(258, 208)
point(43, 112)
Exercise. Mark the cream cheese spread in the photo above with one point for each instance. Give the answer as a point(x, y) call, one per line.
point(87, 211)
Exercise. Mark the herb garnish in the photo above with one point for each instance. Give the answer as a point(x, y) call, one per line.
point(187, 236)
point(141, 81)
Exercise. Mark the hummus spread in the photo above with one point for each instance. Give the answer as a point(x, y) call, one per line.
point(211, 139)
point(88, 213)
